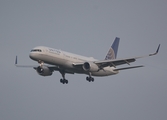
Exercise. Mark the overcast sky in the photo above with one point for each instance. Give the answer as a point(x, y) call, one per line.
point(85, 27)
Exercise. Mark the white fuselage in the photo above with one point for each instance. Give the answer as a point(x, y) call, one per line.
point(65, 60)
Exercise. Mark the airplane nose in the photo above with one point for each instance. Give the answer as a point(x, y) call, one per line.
point(31, 55)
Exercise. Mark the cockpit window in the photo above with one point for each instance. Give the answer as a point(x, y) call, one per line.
point(36, 50)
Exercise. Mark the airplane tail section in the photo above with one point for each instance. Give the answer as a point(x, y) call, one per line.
point(112, 53)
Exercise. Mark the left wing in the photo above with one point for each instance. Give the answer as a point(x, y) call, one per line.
point(51, 67)
point(30, 66)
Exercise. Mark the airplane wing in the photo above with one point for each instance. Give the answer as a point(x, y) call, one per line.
point(51, 67)
point(116, 62)
point(31, 66)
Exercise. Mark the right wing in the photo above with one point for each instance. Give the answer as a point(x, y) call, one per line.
point(116, 62)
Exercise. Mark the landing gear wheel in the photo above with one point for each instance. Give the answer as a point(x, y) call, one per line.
point(61, 80)
point(64, 81)
point(90, 79)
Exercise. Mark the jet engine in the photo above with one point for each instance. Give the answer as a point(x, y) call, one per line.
point(43, 71)
point(90, 66)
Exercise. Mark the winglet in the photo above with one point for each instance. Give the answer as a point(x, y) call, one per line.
point(156, 51)
point(158, 48)
point(16, 61)
point(128, 68)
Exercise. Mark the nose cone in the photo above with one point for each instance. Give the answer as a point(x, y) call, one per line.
point(32, 56)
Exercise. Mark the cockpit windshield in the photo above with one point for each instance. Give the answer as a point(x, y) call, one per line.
point(36, 50)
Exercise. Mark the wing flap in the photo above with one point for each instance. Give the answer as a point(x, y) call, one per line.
point(114, 63)
point(125, 68)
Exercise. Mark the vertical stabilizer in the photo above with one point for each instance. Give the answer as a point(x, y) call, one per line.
point(112, 53)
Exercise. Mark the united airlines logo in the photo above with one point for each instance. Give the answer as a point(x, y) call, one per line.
point(110, 55)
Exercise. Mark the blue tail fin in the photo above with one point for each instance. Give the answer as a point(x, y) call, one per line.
point(112, 53)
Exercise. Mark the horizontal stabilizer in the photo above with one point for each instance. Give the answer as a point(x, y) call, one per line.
point(128, 68)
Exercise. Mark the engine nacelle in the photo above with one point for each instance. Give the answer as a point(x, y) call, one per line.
point(90, 66)
point(44, 71)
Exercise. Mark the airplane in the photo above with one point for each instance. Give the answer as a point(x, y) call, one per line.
point(51, 60)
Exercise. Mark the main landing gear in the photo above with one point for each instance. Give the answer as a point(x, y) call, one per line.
point(89, 78)
point(63, 81)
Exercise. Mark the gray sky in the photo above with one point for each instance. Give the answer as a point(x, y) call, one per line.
point(88, 28)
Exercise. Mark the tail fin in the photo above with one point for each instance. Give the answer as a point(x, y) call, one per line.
point(112, 53)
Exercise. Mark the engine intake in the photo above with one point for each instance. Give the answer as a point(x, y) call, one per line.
point(44, 71)
point(90, 66)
